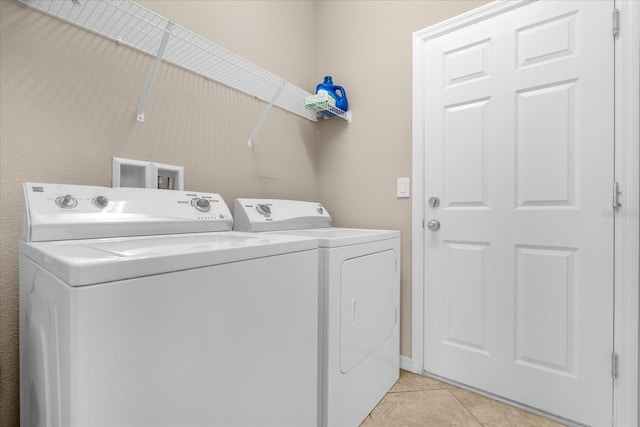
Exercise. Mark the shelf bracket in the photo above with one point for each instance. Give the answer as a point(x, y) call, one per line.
point(154, 71)
point(263, 117)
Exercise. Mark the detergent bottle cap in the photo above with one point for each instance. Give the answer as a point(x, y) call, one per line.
point(328, 80)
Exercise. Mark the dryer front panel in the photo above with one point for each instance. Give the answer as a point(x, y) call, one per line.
point(368, 305)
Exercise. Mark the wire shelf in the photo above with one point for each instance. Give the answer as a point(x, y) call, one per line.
point(130, 24)
point(325, 110)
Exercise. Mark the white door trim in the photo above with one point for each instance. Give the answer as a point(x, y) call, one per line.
point(627, 296)
point(627, 141)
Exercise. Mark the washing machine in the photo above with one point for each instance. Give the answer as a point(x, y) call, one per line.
point(359, 286)
point(141, 308)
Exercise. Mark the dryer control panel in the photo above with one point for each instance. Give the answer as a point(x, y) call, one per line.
point(69, 212)
point(279, 215)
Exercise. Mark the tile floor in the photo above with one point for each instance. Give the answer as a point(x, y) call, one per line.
point(418, 401)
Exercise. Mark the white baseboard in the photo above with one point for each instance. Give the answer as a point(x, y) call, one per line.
point(405, 363)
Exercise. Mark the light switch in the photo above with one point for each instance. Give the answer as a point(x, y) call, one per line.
point(403, 190)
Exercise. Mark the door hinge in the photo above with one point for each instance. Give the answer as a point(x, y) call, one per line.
point(614, 365)
point(616, 22)
point(616, 196)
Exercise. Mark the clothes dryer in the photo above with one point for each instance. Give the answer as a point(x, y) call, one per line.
point(359, 285)
point(139, 308)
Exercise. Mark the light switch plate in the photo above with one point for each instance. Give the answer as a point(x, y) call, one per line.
point(403, 190)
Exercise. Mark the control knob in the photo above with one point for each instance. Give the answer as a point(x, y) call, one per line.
point(203, 205)
point(67, 201)
point(100, 202)
point(263, 209)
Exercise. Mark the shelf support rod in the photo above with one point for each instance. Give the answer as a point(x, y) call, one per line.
point(154, 71)
point(263, 117)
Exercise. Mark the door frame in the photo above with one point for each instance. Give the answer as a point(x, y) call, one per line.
point(627, 174)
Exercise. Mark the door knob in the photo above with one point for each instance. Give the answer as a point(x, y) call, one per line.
point(433, 225)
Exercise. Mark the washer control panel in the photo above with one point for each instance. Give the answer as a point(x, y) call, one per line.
point(63, 212)
point(279, 215)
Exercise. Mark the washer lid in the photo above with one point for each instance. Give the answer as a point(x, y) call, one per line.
point(335, 236)
point(86, 262)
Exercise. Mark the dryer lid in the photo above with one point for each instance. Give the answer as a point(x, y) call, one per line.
point(93, 261)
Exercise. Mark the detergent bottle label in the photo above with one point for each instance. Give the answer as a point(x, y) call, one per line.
point(331, 98)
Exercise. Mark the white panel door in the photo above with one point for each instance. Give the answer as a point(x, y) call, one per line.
point(519, 151)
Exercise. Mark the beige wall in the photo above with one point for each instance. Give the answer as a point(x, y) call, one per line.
point(68, 100)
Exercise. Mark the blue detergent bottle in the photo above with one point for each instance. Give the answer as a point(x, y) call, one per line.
point(337, 95)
